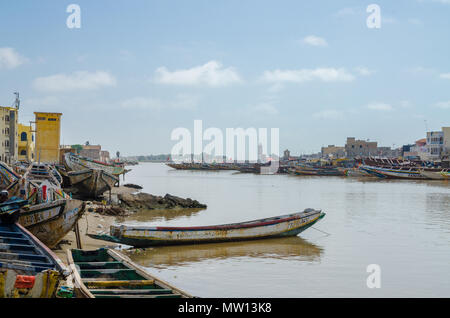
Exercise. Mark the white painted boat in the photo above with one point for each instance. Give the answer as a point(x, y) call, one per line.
point(280, 226)
point(436, 175)
point(74, 162)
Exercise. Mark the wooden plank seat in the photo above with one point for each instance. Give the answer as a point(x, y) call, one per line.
point(101, 265)
point(155, 291)
point(101, 283)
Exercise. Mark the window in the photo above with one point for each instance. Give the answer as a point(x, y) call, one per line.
point(52, 119)
point(23, 136)
point(6, 118)
point(23, 152)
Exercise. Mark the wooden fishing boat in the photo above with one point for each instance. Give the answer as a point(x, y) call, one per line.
point(280, 226)
point(74, 162)
point(8, 178)
point(27, 267)
point(307, 170)
point(394, 173)
point(443, 174)
point(51, 221)
point(92, 182)
point(105, 273)
point(51, 213)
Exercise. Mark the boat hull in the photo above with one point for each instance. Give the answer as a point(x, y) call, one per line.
point(283, 226)
point(22, 254)
point(75, 163)
point(92, 182)
point(105, 273)
point(51, 221)
point(394, 173)
point(436, 175)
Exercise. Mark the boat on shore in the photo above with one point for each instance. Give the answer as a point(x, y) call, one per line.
point(279, 226)
point(51, 213)
point(395, 173)
point(28, 268)
point(92, 182)
point(105, 273)
point(75, 162)
point(309, 170)
point(443, 174)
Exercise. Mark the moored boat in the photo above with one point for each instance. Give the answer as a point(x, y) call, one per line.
point(28, 268)
point(443, 174)
point(280, 226)
point(105, 273)
point(394, 173)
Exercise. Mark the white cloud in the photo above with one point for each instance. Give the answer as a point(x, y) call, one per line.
point(364, 71)
point(10, 59)
point(315, 41)
point(445, 76)
point(80, 80)
point(380, 107)
point(443, 105)
point(210, 74)
point(305, 75)
point(180, 102)
point(329, 114)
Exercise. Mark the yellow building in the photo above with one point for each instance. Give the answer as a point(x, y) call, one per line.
point(26, 143)
point(48, 134)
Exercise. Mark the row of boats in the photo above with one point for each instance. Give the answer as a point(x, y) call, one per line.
point(375, 167)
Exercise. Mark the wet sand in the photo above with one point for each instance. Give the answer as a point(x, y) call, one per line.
point(93, 223)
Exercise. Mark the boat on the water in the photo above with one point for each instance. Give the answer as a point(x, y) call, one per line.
point(309, 170)
point(105, 273)
point(92, 182)
point(75, 162)
point(279, 226)
point(28, 268)
point(443, 174)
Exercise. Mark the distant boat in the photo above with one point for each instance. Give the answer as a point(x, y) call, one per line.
point(92, 182)
point(443, 174)
point(105, 273)
point(75, 162)
point(309, 170)
point(28, 268)
point(280, 226)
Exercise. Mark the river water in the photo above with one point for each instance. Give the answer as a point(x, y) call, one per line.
point(401, 226)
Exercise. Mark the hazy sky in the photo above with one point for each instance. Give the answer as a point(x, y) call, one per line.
point(136, 70)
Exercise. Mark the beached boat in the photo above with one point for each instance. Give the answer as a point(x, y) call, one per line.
point(280, 226)
point(394, 173)
point(51, 212)
point(105, 273)
point(74, 162)
point(443, 174)
point(92, 182)
point(8, 177)
point(27, 267)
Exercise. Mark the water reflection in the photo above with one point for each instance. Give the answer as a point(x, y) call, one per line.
point(282, 248)
point(158, 215)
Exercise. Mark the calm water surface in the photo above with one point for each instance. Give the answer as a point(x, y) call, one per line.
point(403, 226)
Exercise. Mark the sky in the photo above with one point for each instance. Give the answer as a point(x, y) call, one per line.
point(136, 70)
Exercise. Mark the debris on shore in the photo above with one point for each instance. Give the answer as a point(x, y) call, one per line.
point(151, 202)
point(133, 186)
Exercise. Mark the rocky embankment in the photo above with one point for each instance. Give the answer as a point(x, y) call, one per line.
point(139, 201)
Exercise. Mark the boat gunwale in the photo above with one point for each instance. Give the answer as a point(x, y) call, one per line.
point(248, 224)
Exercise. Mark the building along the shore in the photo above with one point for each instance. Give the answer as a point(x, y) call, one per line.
point(26, 143)
point(48, 135)
point(9, 133)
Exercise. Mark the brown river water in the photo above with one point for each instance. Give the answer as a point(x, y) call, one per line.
point(403, 226)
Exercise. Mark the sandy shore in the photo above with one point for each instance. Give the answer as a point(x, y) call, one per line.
point(90, 222)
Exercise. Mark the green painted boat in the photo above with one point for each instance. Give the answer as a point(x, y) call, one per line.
point(105, 273)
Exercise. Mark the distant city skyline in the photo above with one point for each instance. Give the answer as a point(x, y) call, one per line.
point(137, 70)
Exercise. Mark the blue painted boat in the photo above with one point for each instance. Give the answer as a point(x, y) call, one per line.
point(27, 267)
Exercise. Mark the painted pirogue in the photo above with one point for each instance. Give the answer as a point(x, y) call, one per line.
point(75, 162)
point(27, 267)
point(279, 226)
point(105, 273)
point(92, 182)
point(309, 170)
point(50, 213)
